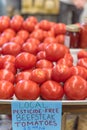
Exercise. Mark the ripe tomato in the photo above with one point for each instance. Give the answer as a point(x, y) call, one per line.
point(44, 25)
point(11, 48)
point(50, 40)
point(23, 75)
point(8, 58)
point(60, 38)
point(55, 51)
point(33, 40)
point(82, 62)
point(42, 46)
point(6, 75)
point(51, 90)
point(8, 35)
point(6, 89)
point(41, 55)
point(25, 60)
point(4, 23)
point(75, 88)
point(30, 47)
point(27, 90)
point(28, 25)
point(44, 64)
point(32, 19)
point(38, 75)
point(79, 70)
point(10, 31)
point(23, 34)
point(66, 62)
point(60, 73)
point(16, 22)
point(17, 40)
point(59, 28)
point(9, 66)
point(3, 40)
point(37, 34)
point(68, 56)
point(48, 72)
point(82, 54)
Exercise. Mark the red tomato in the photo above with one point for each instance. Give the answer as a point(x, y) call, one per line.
point(17, 40)
point(33, 40)
point(9, 66)
point(51, 90)
point(49, 33)
point(6, 89)
point(37, 34)
point(79, 70)
point(3, 40)
point(25, 60)
point(44, 25)
point(7, 75)
point(68, 56)
point(16, 22)
point(32, 19)
point(27, 90)
point(66, 62)
point(38, 75)
point(44, 64)
point(82, 62)
point(82, 54)
point(4, 23)
point(8, 58)
point(23, 34)
point(48, 72)
point(55, 51)
point(10, 31)
point(60, 73)
point(59, 28)
point(60, 38)
point(23, 75)
point(41, 55)
point(11, 48)
point(8, 35)
point(50, 40)
point(75, 88)
point(28, 25)
point(42, 46)
point(30, 47)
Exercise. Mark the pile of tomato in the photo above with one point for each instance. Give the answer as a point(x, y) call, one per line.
point(35, 63)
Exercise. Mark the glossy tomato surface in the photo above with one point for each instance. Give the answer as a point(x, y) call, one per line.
point(6, 89)
point(27, 90)
point(75, 88)
point(51, 90)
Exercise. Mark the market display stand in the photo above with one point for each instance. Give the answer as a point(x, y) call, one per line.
point(67, 106)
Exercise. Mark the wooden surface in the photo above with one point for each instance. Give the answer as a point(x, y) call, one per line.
point(68, 106)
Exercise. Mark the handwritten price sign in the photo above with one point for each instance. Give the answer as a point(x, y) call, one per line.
point(36, 115)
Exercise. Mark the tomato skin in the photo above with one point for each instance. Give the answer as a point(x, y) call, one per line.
point(51, 90)
point(79, 70)
point(7, 75)
point(3, 40)
point(66, 62)
point(48, 72)
point(27, 90)
point(23, 34)
point(38, 75)
point(6, 89)
point(30, 47)
point(43, 63)
point(50, 40)
point(11, 48)
point(32, 19)
point(82, 54)
point(75, 88)
point(18, 40)
point(41, 55)
point(8, 58)
point(44, 25)
point(59, 28)
point(60, 38)
point(33, 40)
point(16, 22)
point(25, 60)
point(82, 62)
point(55, 51)
point(60, 73)
point(23, 75)
point(4, 23)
